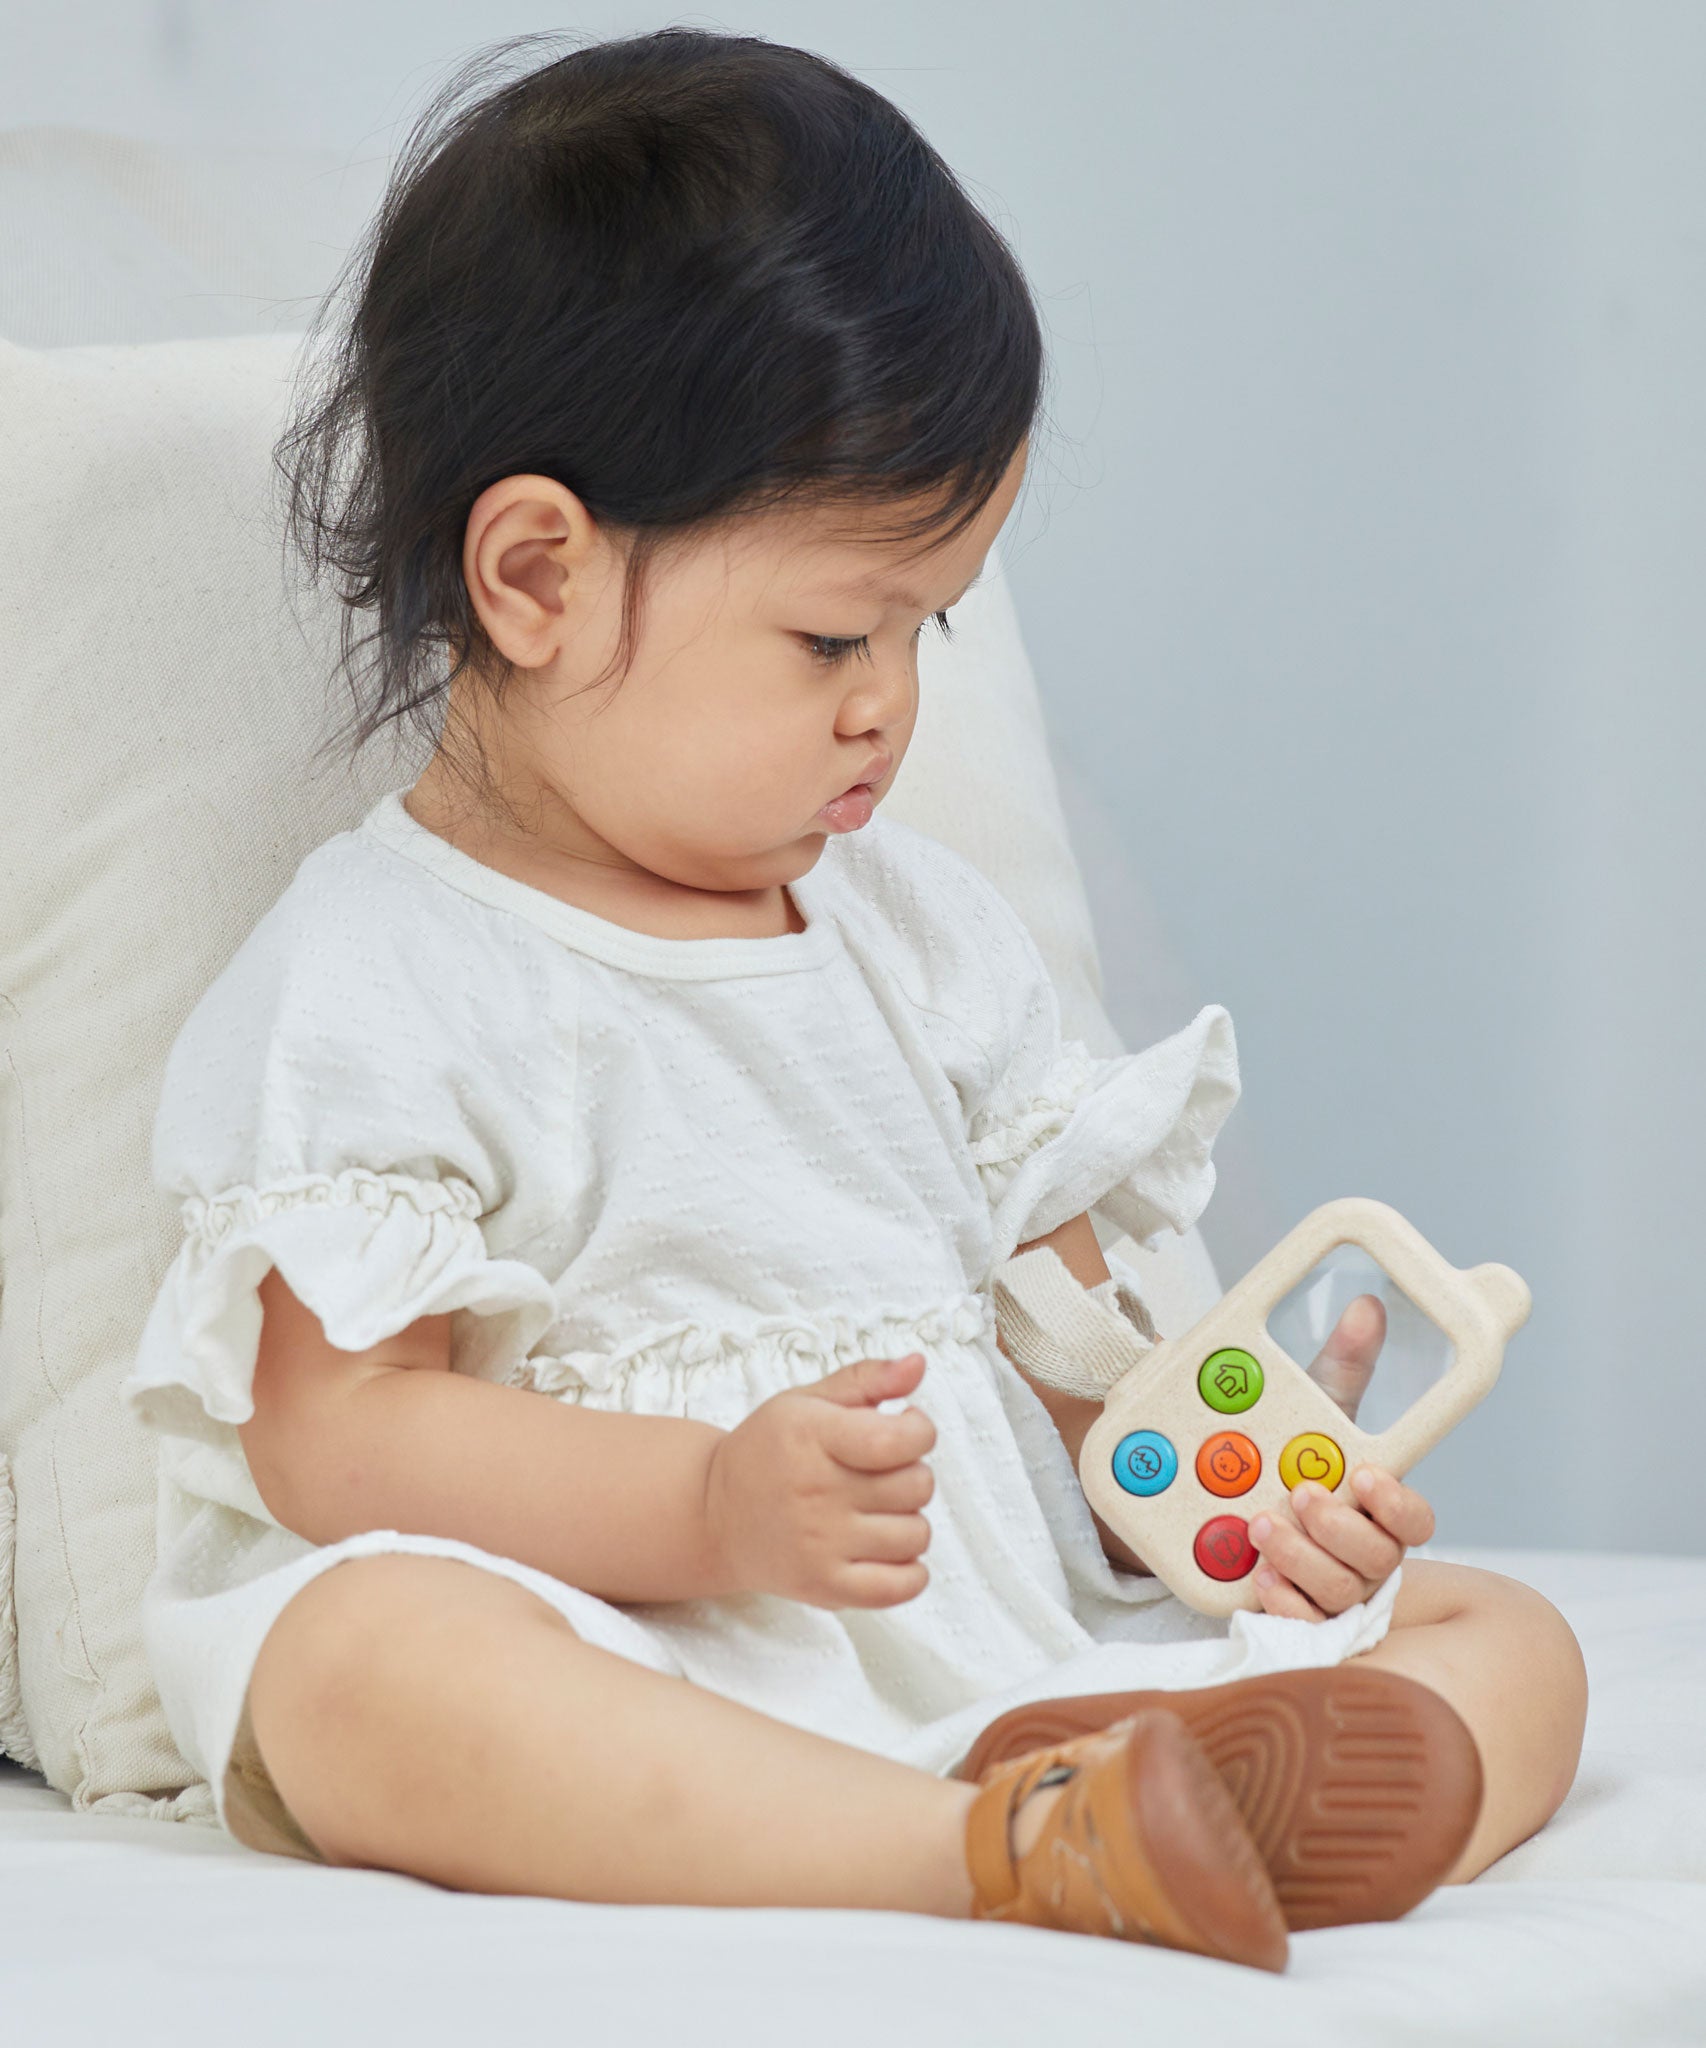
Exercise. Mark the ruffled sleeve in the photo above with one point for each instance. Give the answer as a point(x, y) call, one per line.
point(326, 1112)
point(1052, 1128)
point(369, 1253)
point(1063, 1131)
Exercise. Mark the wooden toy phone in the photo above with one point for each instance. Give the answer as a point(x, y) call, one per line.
point(1202, 1432)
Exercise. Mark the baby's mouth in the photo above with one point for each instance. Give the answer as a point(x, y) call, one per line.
point(851, 809)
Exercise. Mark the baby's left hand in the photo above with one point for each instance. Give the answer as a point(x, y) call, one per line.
point(1334, 1549)
point(1337, 1551)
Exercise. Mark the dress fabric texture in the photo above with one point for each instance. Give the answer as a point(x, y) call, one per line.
point(670, 1177)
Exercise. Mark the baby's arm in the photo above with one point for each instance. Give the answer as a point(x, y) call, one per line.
point(391, 1438)
point(816, 1495)
point(1075, 1245)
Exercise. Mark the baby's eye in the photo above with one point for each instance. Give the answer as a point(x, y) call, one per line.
point(824, 648)
point(828, 651)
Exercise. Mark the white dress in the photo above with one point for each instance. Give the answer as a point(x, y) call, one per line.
point(672, 1177)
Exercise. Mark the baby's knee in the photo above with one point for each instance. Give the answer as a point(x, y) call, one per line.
point(355, 1694)
point(1555, 1673)
point(1547, 1681)
point(1529, 1651)
point(1541, 1638)
point(361, 1629)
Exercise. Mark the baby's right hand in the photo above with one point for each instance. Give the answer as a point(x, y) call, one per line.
point(816, 1496)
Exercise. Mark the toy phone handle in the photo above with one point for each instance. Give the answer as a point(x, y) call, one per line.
point(1491, 1304)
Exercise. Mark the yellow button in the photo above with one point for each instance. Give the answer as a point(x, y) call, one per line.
point(1311, 1457)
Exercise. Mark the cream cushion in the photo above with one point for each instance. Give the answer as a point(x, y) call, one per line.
point(167, 684)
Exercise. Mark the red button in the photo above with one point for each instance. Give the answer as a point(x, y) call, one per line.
point(1223, 1548)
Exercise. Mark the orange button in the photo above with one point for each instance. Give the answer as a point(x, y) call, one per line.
point(1229, 1464)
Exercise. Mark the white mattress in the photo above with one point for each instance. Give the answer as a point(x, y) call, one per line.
point(133, 1932)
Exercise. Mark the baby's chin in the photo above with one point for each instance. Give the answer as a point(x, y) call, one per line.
point(734, 870)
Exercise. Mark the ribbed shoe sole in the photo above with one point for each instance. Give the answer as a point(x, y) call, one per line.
point(1201, 1850)
point(1359, 1788)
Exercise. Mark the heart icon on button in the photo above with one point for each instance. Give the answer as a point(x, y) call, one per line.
point(1314, 1457)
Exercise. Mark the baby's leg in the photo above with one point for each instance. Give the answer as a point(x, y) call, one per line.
point(420, 1714)
point(1506, 1660)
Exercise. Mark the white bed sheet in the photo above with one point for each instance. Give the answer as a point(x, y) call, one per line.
point(133, 1932)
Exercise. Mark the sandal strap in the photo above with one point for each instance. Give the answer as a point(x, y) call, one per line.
point(1143, 1843)
point(989, 1845)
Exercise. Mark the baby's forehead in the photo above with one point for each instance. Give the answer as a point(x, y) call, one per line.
point(833, 554)
point(919, 552)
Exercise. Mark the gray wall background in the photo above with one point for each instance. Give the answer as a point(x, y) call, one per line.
point(1361, 573)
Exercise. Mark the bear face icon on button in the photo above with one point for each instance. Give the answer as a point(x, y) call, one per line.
point(1229, 1464)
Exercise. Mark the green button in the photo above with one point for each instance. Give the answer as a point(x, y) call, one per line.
point(1230, 1382)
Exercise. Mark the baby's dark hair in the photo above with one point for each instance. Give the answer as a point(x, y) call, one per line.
point(689, 276)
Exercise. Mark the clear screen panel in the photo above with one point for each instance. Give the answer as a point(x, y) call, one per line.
point(1408, 1358)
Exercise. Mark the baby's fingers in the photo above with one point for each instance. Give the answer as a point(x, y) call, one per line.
point(1398, 1508)
point(1346, 1362)
point(1279, 1596)
point(865, 1441)
point(1332, 1586)
point(879, 1585)
point(900, 1492)
point(1345, 1532)
point(889, 1539)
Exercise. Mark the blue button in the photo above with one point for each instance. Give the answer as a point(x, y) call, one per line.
point(1145, 1462)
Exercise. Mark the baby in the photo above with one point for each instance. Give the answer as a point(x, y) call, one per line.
point(594, 1163)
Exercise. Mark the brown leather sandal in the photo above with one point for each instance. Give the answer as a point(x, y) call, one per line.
point(1143, 1843)
point(1359, 1787)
